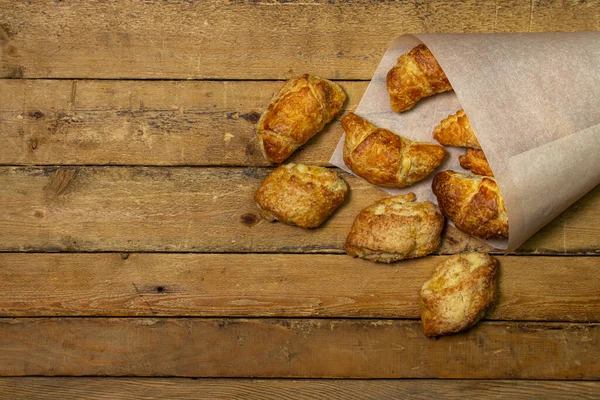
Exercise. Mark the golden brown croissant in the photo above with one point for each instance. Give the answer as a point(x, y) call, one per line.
point(302, 195)
point(299, 111)
point(473, 203)
point(475, 161)
point(416, 75)
point(384, 158)
point(456, 130)
point(461, 288)
point(395, 228)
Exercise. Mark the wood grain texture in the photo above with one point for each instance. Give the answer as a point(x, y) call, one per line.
point(246, 40)
point(300, 348)
point(275, 285)
point(47, 122)
point(276, 389)
point(204, 210)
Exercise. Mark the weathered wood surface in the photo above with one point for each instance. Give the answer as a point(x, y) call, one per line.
point(296, 348)
point(146, 122)
point(83, 121)
point(276, 285)
point(33, 388)
point(246, 40)
point(204, 210)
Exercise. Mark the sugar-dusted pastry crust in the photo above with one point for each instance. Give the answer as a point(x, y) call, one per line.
point(298, 112)
point(302, 195)
point(455, 130)
point(461, 288)
point(395, 228)
point(475, 161)
point(384, 158)
point(473, 203)
point(416, 75)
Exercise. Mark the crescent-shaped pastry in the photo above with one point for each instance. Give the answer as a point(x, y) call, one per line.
point(384, 158)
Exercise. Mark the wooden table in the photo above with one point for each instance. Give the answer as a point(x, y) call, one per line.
point(132, 255)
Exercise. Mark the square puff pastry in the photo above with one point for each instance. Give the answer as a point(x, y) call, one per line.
point(300, 195)
point(416, 75)
point(395, 228)
point(384, 158)
point(458, 293)
point(298, 112)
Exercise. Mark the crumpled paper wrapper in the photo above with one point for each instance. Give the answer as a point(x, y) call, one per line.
point(533, 100)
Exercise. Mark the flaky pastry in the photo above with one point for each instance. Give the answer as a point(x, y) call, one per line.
point(384, 158)
point(301, 195)
point(395, 228)
point(455, 130)
point(461, 288)
point(475, 161)
point(299, 111)
point(416, 75)
point(473, 203)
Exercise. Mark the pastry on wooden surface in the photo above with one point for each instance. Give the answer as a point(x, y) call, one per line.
point(298, 112)
point(473, 203)
point(475, 161)
point(416, 75)
point(302, 195)
point(395, 228)
point(384, 158)
point(456, 296)
point(455, 130)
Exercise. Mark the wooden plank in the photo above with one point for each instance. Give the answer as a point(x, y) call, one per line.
point(48, 122)
point(300, 348)
point(275, 285)
point(245, 40)
point(202, 210)
point(276, 389)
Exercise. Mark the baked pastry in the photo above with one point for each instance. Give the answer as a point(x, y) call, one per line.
point(416, 75)
point(475, 161)
point(461, 288)
point(384, 158)
point(456, 130)
point(473, 203)
point(395, 228)
point(302, 195)
point(298, 112)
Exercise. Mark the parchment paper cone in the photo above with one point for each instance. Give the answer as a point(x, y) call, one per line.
point(533, 100)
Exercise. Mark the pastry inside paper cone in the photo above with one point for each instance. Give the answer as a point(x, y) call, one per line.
point(456, 296)
point(395, 228)
point(455, 130)
point(300, 195)
point(384, 158)
point(473, 203)
point(300, 110)
point(475, 161)
point(415, 76)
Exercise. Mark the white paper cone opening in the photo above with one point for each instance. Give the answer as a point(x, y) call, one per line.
point(533, 100)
